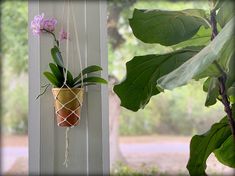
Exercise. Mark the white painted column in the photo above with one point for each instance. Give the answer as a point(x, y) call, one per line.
point(89, 142)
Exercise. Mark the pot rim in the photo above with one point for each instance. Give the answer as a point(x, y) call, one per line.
point(56, 88)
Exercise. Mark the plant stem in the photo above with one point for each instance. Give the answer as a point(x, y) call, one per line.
point(222, 79)
point(56, 41)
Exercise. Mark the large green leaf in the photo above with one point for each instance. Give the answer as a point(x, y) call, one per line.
point(226, 12)
point(212, 90)
point(166, 27)
point(226, 153)
point(89, 69)
point(201, 146)
point(52, 79)
point(223, 61)
point(202, 38)
point(142, 74)
point(57, 57)
point(201, 61)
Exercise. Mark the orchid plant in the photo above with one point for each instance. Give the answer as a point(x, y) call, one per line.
point(56, 77)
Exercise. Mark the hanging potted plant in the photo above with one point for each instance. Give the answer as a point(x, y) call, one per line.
point(67, 89)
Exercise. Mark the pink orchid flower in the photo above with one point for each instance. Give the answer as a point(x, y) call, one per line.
point(37, 24)
point(49, 24)
point(63, 35)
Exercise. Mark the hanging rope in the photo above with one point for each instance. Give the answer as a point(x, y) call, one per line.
point(77, 42)
point(76, 97)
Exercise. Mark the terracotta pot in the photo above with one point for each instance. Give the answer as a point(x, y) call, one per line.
point(67, 106)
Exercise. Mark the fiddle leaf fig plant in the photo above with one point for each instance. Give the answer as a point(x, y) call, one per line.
point(57, 74)
point(203, 47)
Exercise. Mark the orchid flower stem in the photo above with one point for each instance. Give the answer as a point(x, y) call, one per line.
point(56, 41)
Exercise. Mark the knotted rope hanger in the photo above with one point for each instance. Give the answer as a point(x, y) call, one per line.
point(65, 72)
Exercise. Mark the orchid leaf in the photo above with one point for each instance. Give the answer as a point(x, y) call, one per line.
point(89, 69)
point(56, 72)
point(57, 57)
point(52, 79)
point(70, 80)
point(91, 80)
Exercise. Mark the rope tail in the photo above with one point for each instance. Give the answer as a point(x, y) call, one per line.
point(66, 154)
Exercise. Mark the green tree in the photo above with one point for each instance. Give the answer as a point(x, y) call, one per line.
point(155, 116)
point(193, 58)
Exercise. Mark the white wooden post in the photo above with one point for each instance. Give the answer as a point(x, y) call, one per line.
point(89, 142)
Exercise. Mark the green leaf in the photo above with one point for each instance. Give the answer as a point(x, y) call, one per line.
point(166, 27)
point(231, 93)
point(201, 146)
point(56, 72)
point(230, 72)
point(52, 79)
point(226, 153)
point(57, 57)
point(70, 80)
point(95, 79)
point(90, 80)
point(213, 91)
point(218, 4)
point(202, 38)
point(142, 74)
point(90, 69)
point(226, 12)
point(223, 60)
point(85, 84)
point(201, 61)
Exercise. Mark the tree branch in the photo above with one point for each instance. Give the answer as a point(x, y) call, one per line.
point(222, 79)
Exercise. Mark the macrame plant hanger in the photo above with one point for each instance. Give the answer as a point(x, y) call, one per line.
point(77, 98)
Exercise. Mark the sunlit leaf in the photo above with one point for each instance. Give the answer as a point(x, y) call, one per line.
point(212, 91)
point(201, 61)
point(226, 12)
point(166, 27)
point(226, 153)
point(201, 146)
point(202, 37)
point(143, 72)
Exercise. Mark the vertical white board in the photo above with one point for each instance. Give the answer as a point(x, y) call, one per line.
point(89, 142)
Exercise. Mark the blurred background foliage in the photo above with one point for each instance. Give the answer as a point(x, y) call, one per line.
point(14, 37)
point(179, 112)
